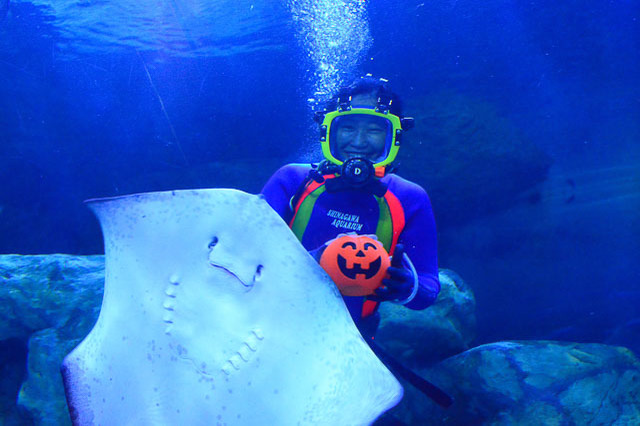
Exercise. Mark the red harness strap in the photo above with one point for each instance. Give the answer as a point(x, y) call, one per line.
point(397, 218)
point(397, 223)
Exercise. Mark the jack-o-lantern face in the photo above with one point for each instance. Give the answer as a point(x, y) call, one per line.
point(356, 263)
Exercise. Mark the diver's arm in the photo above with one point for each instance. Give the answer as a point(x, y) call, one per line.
point(420, 243)
point(282, 186)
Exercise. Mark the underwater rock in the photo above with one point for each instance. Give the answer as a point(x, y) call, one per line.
point(13, 369)
point(465, 153)
point(49, 291)
point(46, 351)
point(51, 302)
point(421, 338)
point(533, 383)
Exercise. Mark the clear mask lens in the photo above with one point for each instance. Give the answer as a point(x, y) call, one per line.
point(360, 135)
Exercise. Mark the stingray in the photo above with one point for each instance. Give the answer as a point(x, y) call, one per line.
point(213, 313)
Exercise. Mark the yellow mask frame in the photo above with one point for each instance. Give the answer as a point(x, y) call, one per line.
point(395, 136)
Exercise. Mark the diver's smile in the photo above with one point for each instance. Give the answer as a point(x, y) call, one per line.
point(352, 154)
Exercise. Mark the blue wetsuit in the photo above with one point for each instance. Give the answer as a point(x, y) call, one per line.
point(355, 211)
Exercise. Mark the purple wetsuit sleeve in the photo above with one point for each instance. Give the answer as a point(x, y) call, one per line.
point(282, 186)
point(420, 242)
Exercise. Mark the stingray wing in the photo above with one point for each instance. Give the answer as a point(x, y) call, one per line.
point(213, 313)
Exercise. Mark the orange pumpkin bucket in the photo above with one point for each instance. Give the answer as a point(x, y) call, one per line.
point(356, 263)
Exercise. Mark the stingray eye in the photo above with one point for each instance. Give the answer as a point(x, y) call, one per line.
point(258, 274)
point(213, 243)
point(356, 263)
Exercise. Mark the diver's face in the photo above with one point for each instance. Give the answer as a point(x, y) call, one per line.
point(361, 135)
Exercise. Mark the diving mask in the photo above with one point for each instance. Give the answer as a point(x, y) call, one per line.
point(361, 132)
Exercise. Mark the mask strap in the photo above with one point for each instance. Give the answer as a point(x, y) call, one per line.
point(344, 100)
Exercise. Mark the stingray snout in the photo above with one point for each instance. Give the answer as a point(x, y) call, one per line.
point(245, 271)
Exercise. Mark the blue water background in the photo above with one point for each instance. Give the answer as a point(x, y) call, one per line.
point(104, 98)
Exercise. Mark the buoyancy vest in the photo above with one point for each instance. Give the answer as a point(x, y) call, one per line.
point(391, 219)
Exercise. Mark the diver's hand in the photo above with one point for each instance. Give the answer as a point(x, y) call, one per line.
point(399, 284)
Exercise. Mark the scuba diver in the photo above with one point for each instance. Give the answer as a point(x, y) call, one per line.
point(355, 190)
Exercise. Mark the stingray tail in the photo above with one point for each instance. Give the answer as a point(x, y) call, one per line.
point(429, 389)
